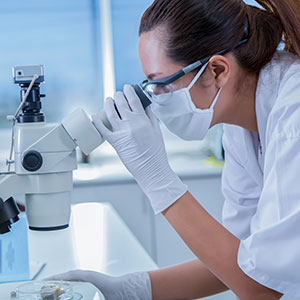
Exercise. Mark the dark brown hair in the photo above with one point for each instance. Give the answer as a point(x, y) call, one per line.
point(194, 29)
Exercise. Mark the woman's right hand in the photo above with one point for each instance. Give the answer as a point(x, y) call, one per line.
point(135, 286)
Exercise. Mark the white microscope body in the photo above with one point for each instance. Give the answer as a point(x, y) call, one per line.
point(45, 156)
point(52, 146)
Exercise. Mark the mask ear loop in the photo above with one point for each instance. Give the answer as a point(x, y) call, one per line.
point(215, 99)
point(197, 76)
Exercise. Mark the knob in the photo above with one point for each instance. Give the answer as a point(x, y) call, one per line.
point(32, 161)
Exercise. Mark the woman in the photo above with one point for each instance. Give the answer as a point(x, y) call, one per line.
point(231, 74)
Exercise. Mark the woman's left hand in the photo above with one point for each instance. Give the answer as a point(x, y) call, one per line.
point(137, 138)
point(132, 286)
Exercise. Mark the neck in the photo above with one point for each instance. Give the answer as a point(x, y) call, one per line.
point(243, 110)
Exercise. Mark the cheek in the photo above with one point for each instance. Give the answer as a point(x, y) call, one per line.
point(203, 97)
point(178, 84)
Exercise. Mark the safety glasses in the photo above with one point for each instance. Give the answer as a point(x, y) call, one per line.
point(165, 85)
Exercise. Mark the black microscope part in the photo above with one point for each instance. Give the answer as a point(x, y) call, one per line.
point(55, 228)
point(144, 99)
point(32, 161)
point(8, 214)
point(31, 110)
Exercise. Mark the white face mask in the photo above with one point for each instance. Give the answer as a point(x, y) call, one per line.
point(180, 115)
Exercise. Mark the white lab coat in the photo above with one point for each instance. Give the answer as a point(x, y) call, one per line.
point(261, 181)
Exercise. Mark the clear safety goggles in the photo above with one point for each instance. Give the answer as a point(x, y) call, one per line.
point(169, 84)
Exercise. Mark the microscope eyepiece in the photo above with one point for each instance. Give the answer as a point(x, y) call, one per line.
point(8, 214)
point(142, 95)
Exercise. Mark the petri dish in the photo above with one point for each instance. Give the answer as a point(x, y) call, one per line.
point(47, 290)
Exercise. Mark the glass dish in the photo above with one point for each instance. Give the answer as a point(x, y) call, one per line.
point(47, 290)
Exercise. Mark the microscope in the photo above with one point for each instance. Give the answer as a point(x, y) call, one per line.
point(45, 157)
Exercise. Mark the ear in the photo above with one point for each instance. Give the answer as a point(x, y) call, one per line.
point(219, 67)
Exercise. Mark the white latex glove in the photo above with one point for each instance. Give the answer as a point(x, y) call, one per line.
point(135, 286)
point(138, 141)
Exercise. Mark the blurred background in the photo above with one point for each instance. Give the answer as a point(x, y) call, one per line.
point(66, 37)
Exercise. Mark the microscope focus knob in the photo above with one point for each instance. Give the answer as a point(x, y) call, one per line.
point(32, 161)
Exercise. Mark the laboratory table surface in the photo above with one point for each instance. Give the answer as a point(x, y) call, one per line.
point(97, 240)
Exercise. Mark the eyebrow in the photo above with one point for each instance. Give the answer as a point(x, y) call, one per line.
point(152, 75)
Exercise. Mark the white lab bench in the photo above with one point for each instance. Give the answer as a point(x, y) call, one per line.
point(97, 239)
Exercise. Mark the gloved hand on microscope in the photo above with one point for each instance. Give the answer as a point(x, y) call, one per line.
point(137, 139)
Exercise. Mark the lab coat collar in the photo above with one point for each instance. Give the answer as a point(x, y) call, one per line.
point(266, 95)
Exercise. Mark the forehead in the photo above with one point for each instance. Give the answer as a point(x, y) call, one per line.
point(153, 57)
